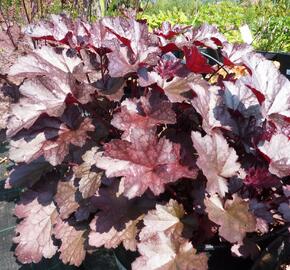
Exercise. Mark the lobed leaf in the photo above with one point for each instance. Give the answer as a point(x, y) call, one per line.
point(130, 160)
point(72, 249)
point(114, 238)
point(145, 113)
point(277, 150)
point(234, 217)
point(53, 146)
point(34, 232)
point(90, 181)
point(217, 161)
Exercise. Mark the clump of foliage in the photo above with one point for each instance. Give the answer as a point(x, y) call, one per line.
point(269, 22)
point(125, 137)
point(173, 16)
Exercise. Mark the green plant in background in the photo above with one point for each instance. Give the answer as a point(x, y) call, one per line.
point(174, 16)
point(273, 34)
point(227, 16)
point(271, 25)
point(269, 21)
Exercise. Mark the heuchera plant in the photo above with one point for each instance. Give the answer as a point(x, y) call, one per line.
point(126, 137)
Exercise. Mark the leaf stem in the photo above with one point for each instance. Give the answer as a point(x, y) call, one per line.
point(102, 70)
point(8, 30)
point(26, 12)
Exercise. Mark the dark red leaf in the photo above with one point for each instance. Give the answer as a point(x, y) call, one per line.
point(261, 178)
point(195, 62)
point(168, 31)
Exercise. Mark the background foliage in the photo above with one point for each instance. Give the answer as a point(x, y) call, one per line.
point(268, 20)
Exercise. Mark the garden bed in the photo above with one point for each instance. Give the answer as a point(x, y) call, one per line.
point(143, 143)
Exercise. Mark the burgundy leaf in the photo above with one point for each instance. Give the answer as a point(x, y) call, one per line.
point(277, 124)
point(207, 35)
point(169, 66)
point(40, 96)
point(133, 34)
point(111, 88)
point(26, 175)
point(207, 104)
point(120, 64)
point(165, 219)
point(53, 79)
point(62, 29)
point(86, 208)
point(238, 97)
point(204, 35)
point(173, 88)
point(195, 62)
point(162, 246)
point(168, 31)
point(101, 38)
point(45, 61)
point(275, 90)
point(260, 178)
point(130, 160)
point(117, 210)
point(233, 53)
point(60, 65)
point(56, 29)
point(136, 46)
